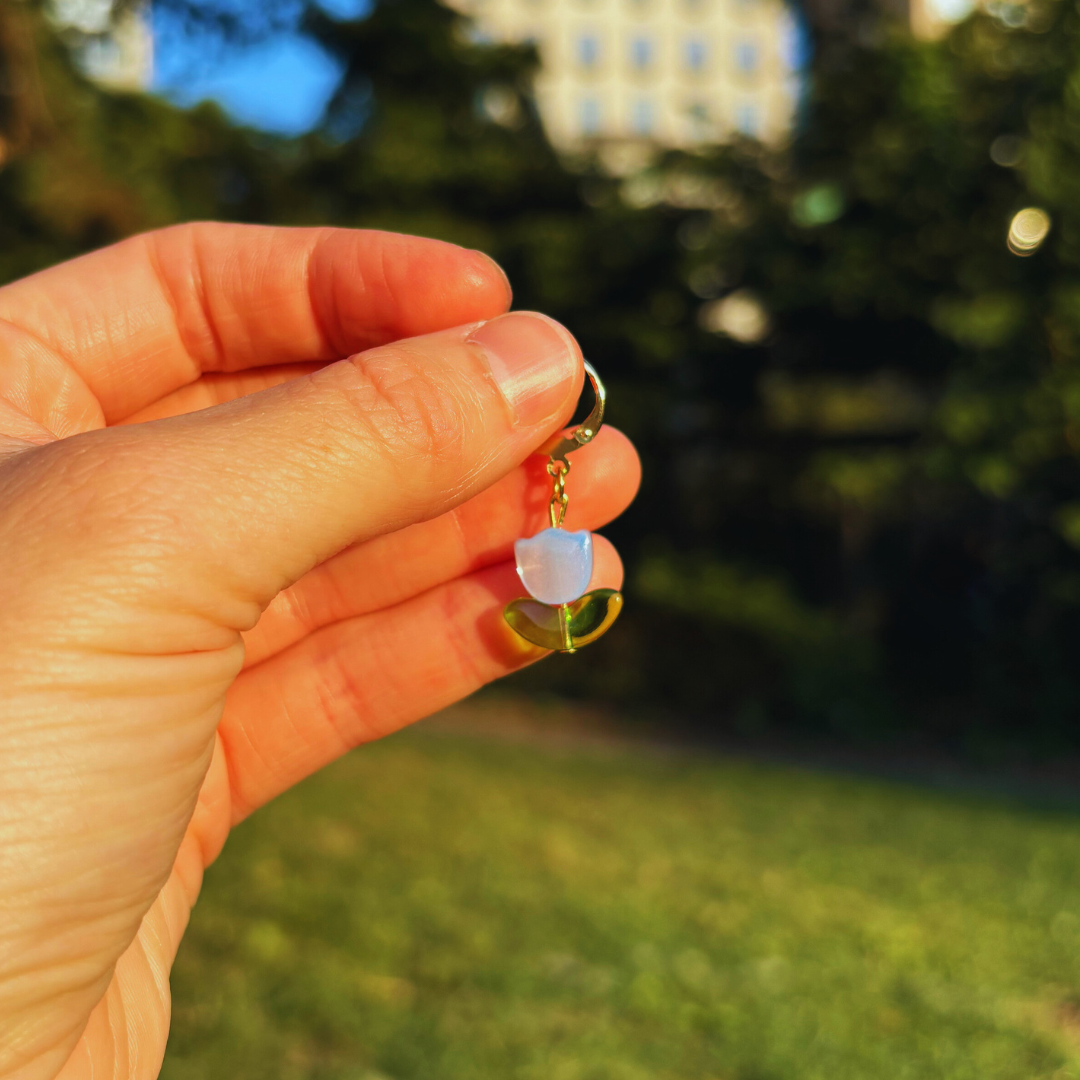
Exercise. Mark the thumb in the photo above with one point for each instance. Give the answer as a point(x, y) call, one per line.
point(217, 511)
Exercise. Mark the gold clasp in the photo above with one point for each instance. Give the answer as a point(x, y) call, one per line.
point(558, 446)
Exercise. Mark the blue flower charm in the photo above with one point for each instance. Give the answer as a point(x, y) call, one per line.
point(556, 566)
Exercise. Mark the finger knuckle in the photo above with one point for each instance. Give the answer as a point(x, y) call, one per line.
point(408, 409)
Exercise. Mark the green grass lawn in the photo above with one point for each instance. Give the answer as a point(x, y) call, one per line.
point(441, 907)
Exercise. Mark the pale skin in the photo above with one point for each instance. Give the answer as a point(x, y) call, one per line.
point(258, 495)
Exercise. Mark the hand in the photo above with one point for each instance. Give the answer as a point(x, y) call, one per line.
point(199, 608)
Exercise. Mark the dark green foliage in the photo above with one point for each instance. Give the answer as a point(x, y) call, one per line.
point(98, 166)
point(865, 520)
point(904, 449)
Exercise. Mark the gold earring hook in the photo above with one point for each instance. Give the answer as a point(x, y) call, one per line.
point(560, 445)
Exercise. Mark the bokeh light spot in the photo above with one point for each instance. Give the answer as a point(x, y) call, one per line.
point(1027, 230)
point(818, 206)
point(1006, 151)
point(741, 316)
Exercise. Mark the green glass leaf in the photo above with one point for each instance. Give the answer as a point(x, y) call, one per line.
point(543, 624)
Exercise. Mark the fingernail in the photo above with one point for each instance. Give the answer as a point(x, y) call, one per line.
point(533, 361)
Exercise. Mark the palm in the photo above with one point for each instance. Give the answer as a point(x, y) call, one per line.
point(379, 635)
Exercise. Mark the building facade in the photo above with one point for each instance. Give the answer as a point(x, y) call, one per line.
point(673, 73)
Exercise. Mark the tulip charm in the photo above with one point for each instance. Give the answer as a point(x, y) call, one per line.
point(555, 565)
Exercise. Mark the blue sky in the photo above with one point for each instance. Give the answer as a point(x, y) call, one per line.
point(280, 85)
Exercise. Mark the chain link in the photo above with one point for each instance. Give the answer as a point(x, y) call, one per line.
point(557, 469)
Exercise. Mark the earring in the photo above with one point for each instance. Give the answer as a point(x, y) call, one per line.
point(555, 566)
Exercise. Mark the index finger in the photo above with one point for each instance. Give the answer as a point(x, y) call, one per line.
point(149, 315)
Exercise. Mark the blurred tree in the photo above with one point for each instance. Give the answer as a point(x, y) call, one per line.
point(857, 392)
point(904, 452)
point(22, 105)
point(84, 166)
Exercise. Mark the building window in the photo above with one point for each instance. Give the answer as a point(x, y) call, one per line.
point(699, 125)
point(589, 116)
point(748, 119)
point(746, 57)
point(588, 50)
point(695, 54)
point(641, 53)
point(643, 117)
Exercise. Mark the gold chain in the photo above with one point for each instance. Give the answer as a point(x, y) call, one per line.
point(557, 469)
